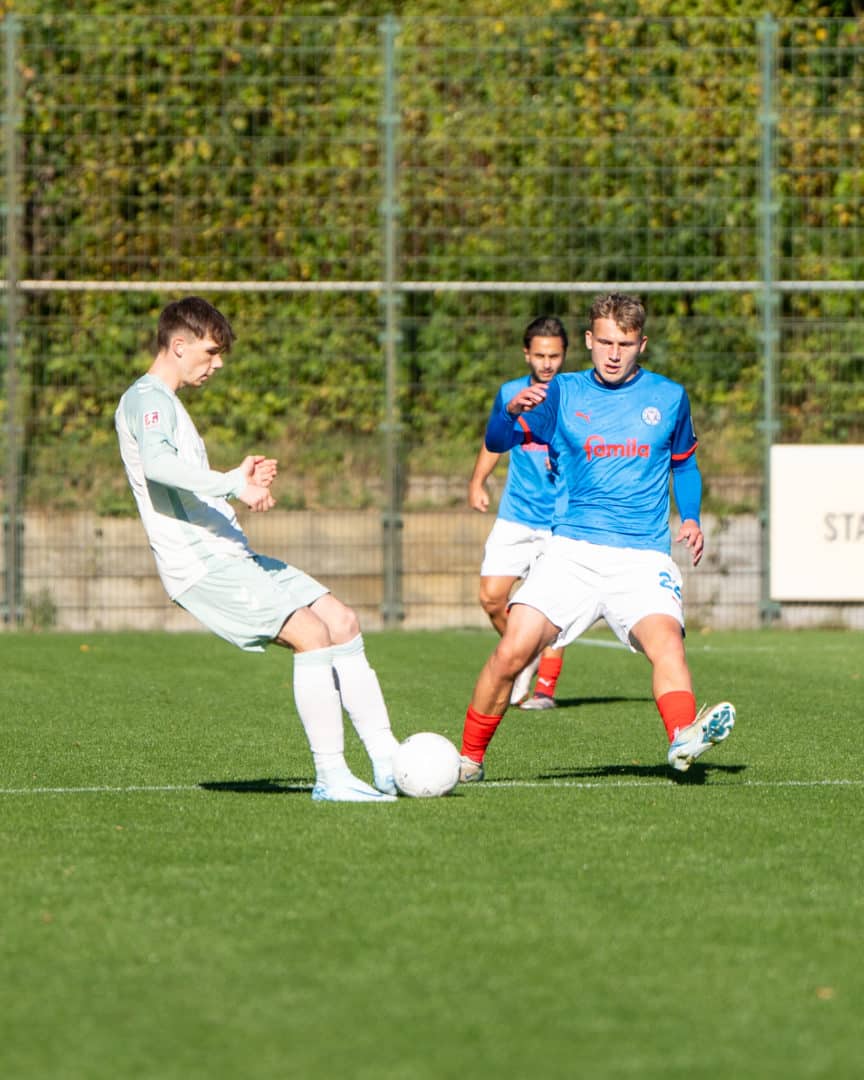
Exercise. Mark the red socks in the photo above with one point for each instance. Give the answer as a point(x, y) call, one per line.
point(678, 709)
point(547, 675)
point(477, 733)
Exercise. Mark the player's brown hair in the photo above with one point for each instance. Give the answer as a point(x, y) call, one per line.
point(197, 317)
point(545, 326)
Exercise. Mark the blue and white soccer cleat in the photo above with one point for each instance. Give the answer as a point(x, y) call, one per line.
point(382, 776)
point(470, 771)
point(346, 787)
point(712, 725)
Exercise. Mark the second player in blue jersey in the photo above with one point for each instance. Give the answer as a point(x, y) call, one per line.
point(615, 433)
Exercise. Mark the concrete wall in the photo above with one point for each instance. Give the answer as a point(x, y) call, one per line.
point(83, 573)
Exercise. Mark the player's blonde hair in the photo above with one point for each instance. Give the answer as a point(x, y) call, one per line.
point(625, 311)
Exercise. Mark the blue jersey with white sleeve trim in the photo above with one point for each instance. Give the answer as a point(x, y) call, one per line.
point(532, 489)
point(614, 447)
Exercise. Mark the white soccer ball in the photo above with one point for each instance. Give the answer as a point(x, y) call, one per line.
point(426, 765)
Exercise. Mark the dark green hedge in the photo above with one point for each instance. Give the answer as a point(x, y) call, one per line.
point(539, 142)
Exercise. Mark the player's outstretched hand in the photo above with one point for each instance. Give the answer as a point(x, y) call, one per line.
point(691, 536)
point(526, 399)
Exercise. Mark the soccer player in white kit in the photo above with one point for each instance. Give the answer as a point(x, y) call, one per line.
point(615, 433)
point(208, 568)
point(523, 523)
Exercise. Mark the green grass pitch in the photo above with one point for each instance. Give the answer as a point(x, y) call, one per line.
point(175, 906)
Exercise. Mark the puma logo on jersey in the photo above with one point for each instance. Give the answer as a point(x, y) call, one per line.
point(583, 416)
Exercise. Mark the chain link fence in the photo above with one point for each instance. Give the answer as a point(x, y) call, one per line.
point(380, 205)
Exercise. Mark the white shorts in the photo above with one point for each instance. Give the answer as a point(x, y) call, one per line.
point(246, 601)
point(575, 583)
point(512, 548)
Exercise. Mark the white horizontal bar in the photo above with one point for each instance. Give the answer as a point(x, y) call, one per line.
point(44, 286)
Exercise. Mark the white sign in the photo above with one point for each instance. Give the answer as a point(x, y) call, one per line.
point(817, 523)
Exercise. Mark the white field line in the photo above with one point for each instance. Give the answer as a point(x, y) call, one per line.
point(694, 645)
point(131, 790)
point(582, 785)
point(668, 784)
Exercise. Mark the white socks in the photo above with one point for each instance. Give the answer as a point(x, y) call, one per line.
point(363, 700)
point(320, 704)
point(320, 709)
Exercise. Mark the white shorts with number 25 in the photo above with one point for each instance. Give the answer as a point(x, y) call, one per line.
point(574, 583)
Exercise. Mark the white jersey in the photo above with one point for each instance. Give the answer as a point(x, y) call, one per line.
point(181, 500)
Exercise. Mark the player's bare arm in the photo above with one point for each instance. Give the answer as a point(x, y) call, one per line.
point(527, 399)
point(691, 536)
point(478, 495)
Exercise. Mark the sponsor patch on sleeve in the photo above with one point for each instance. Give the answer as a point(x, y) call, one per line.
point(151, 419)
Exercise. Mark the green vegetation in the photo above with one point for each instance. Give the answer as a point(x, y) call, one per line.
point(175, 906)
point(543, 142)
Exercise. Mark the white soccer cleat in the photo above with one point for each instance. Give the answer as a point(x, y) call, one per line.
point(470, 771)
point(522, 682)
point(539, 701)
point(382, 776)
point(712, 725)
point(346, 787)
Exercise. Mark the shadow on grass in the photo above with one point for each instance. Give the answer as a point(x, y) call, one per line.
point(274, 785)
point(606, 699)
point(697, 774)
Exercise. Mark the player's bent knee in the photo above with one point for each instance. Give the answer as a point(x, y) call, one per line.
point(496, 608)
point(350, 627)
point(492, 605)
point(303, 631)
point(510, 658)
point(341, 621)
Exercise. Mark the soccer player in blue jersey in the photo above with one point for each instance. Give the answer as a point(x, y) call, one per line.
point(524, 520)
point(615, 433)
point(207, 566)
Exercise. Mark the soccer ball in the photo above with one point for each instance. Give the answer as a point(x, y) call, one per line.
point(426, 765)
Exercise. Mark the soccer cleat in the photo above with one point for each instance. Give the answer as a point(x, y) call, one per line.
point(710, 727)
point(470, 771)
point(522, 682)
point(382, 772)
point(539, 701)
point(346, 787)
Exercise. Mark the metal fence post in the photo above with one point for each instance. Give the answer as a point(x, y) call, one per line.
point(12, 525)
point(392, 609)
point(768, 211)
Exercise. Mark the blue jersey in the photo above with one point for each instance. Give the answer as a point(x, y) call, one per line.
point(532, 488)
point(615, 448)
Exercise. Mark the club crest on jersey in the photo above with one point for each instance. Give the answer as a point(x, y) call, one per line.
point(595, 446)
point(651, 415)
point(151, 419)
